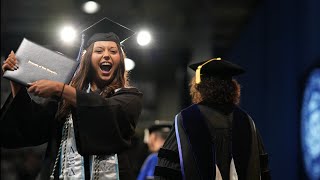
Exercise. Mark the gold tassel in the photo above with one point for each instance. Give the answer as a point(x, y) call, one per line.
point(198, 79)
point(198, 73)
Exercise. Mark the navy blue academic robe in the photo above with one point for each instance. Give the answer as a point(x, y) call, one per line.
point(208, 135)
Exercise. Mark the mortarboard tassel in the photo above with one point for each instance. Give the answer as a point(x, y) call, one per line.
point(198, 73)
point(79, 53)
point(198, 79)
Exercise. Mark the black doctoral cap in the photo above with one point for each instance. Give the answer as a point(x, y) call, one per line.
point(216, 67)
point(106, 30)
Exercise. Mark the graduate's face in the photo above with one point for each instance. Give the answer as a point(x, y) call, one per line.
point(105, 61)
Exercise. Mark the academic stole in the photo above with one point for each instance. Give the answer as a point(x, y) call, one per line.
point(72, 163)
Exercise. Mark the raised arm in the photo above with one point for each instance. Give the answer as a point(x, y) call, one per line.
point(11, 64)
point(47, 88)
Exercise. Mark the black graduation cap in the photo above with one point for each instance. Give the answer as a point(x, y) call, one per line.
point(160, 125)
point(216, 67)
point(106, 30)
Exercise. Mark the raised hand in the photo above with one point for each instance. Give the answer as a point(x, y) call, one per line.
point(10, 63)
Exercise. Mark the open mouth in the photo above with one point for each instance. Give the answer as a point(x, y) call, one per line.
point(105, 66)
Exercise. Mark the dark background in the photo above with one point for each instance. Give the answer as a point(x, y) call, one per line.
point(277, 41)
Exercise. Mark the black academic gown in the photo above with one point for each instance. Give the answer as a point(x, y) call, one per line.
point(102, 126)
point(210, 135)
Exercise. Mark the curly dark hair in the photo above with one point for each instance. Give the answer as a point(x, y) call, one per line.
point(215, 90)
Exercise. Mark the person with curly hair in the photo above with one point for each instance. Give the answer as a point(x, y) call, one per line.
point(213, 138)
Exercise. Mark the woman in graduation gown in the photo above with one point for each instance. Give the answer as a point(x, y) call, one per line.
point(213, 138)
point(89, 130)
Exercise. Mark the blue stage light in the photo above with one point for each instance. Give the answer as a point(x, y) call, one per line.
point(310, 125)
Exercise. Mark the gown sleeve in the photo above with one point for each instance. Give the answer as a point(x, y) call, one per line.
point(168, 166)
point(264, 159)
point(106, 125)
point(25, 123)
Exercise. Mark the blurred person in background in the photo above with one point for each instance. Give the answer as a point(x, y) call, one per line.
point(155, 135)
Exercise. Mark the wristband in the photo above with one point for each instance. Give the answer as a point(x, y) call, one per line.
point(62, 91)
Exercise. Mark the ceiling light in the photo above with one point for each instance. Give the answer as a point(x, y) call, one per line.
point(129, 64)
point(68, 34)
point(90, 7)
point(143, 38)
